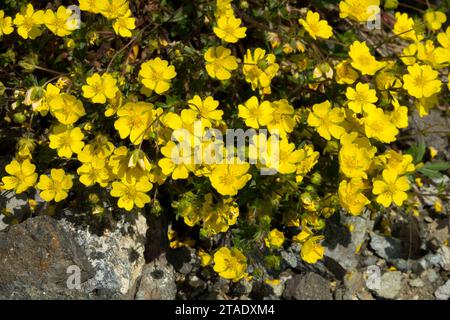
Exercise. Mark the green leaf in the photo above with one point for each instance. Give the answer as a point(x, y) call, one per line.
point(417, 151)
point(432, 169)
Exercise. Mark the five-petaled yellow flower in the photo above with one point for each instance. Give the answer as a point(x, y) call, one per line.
point(28, 22)
point(99, 88)
point(229, 178)
point(124, 24)
point(274, 239)
point(206, 110)
point(363, 60)
point(230, 264)
point(131, 192)
point(312, 250)
point(327, 120)
point(66, 140)
point(55, 187)
point(256, 114)
point(391, 188)
point(229, 29)
point(156, 74)
point(316, 28)
point(421, 81)
point(361, 98)
point(21, 176)
point(61, 22)
point(220, 62)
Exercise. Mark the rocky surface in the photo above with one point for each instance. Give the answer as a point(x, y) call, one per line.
point(366, 258)
point(38, 256)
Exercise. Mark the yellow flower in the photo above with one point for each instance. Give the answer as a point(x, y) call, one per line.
point(359, 10)
point(66, 108)
point(156, 74)
point(400, 163)
point(90, 175)
point(390, 188)
point(311, 250)
point(96, 152)
point(438, 205)
point(112, 9)
point(230, 263)
point(134, 121)
point(378, 125)
point(308, 160)
point(421, 82)
point(361, 98)
point(220, 218)
point(55, 187)
point(6, 24)
point(282, 118)
point(254, 113)
point(409, 54)
point(178, 159)
point(424, 105)
point(205, 258)
point(28, 22)
point(345, 74)
point(351, 196)
point(444, 38)
point(286, 157)
point(50, 92)
point(99, 88)
point(315, 26)
point(93, 6)
point(21, 176)
point(220, 62)
point(259, 68)
point(399, 116)
point(327, 120)
point(60, 23)
point(123, 24)
point(404, 27)
point(228, 179)
point(25, 147)
point(274, 239)
point(434, 19)
point(355, 156)
point(433, 152)
point(362, 59)
point(66, 140)
point(223, 8)
point(206, 110)
point(229, 29)
point(435, 57)
point(131, 192)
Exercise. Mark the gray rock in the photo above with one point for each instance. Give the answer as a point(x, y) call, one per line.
point(341, 245)
point(157, 281)
point(117, 256)
point(390, 285)
point(290, 258)
point(416, 283)
point(444, 252)
point(430, 275)
point(242, 288)
point(38, 256)
point(443, 292)
point(387, 248)
point(34, 260)
point(309, 286)
point(355, 287)
point(2, 224)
